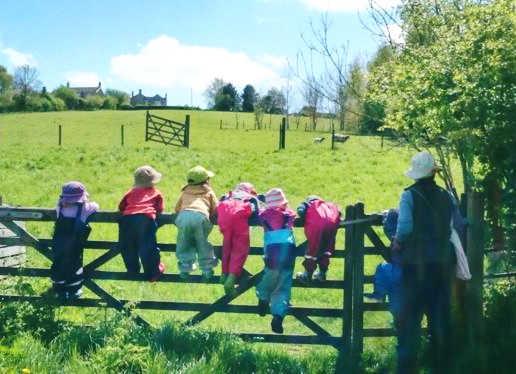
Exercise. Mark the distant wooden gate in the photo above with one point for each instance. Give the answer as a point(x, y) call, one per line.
point(166, 131)
point(349, 342)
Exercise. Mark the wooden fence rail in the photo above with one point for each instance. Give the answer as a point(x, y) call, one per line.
point(356, 226)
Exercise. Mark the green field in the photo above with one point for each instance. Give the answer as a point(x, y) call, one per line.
point(33, 168)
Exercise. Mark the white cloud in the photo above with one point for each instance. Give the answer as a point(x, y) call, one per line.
point(166, 63)
point(16, 58)
point(276, 62)
point(333, 6)
point(82, 78)
point(394, 32)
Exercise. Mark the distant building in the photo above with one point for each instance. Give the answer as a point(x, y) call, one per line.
point(155, 100)
point(86, 91)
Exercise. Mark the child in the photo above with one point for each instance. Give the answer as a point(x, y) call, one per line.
point(277, 220)
point(321, 220)
point(71, 232)
point(137, 227)
point(387, 276)
point(234, 212)
point(196, 208)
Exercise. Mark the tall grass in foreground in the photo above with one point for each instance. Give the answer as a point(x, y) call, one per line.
point(118, 345)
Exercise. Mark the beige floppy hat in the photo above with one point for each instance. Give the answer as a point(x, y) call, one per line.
point(146, 176)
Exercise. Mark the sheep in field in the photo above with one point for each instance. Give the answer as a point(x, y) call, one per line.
point(340, 138)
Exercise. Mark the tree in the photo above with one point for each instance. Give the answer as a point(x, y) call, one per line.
point(6, 82)
point(373, 111)
point(227, 99)
point(313, 101)
point(327, 85)
point(249, 98)
point(274, 102)
point(352, 96)
point(121, 98)
point(25, 83)
point(453, 84)
point(213, 90)
point(68, 95)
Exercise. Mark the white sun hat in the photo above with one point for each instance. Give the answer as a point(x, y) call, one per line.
point(423, 165)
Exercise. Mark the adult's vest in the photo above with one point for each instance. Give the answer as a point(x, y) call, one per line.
point(431, 217)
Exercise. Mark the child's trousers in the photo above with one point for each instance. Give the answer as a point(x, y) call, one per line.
point(193, 229)
point(321, 245)
point(235, 248)
point(69, 239)
point(276, 284)
point(137, 241)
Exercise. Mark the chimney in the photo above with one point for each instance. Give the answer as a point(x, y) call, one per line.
point(140, 91)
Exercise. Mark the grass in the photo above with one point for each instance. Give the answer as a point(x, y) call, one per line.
point(33, 167)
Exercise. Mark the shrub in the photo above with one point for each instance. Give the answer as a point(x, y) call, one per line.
point(500, 326)
point(35, 317)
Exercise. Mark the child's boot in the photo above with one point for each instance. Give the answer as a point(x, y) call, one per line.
point(229, 285)
point(184, 275)
point(320, 276)
point(207, 275)
point(277, 324)
point(263, 307)
point(304, 277)
point(223, 278)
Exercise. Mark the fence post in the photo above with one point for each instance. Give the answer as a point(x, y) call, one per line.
point(122, 133)
point(59, 135)
point(344, 363)
point(147, 118)
point(475, 253)
point(186, 142)
point(332, 139)
point(282, 134)
point(358, 288)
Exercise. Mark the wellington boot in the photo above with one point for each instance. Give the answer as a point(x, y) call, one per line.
point(229, 285)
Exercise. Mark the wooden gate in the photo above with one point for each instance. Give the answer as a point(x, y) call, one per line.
point(166, 131)
point(349, 342)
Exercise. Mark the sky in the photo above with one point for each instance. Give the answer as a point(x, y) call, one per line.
point(176, 47)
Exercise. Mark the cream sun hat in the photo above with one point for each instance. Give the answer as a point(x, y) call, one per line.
point(423, 165)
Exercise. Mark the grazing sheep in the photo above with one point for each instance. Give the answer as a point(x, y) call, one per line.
point(340, 138)
point(318, 140)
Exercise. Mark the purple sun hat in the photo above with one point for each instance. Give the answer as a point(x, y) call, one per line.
point(73, 192)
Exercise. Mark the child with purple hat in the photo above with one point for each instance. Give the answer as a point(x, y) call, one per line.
point(71, 232)
point(137, 227)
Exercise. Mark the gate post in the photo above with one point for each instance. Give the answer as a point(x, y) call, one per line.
point(358, 287)
point(282, 134)
point(344, 362)
point(147, 117)
point(475, 253)
point(186, 141)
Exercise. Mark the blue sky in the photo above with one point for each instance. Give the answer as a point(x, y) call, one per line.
point(173, 47)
